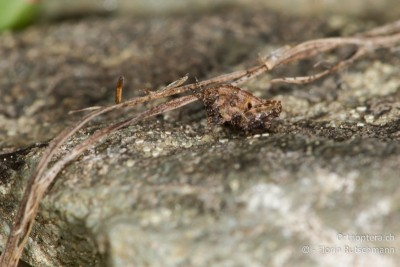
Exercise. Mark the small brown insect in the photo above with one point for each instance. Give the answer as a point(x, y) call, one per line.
point(227, 104)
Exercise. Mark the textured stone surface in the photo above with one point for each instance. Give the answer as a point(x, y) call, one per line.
point(164, 193)
point(382, 9)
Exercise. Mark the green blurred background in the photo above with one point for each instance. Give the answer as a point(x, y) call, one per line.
point(16, 14)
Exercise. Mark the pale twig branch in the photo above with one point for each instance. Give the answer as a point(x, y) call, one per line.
point(390, 28)
point(308, 79)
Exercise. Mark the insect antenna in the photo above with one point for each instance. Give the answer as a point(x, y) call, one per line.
point(198, 89)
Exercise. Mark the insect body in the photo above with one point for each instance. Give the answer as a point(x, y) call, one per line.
point(227, 104)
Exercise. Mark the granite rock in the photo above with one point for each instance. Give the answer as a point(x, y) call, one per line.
point(167, 193)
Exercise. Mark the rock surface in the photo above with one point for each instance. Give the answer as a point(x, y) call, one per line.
point(382, 9)
point(164, 193)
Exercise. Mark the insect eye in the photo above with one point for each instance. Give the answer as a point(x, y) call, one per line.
point(249, 105)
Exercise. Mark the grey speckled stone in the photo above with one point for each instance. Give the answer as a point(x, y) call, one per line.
point(164, 193)
point(383, 9)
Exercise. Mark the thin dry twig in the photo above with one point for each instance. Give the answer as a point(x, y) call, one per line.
point(390, 28)
point(387, 36)
point(308, 79)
